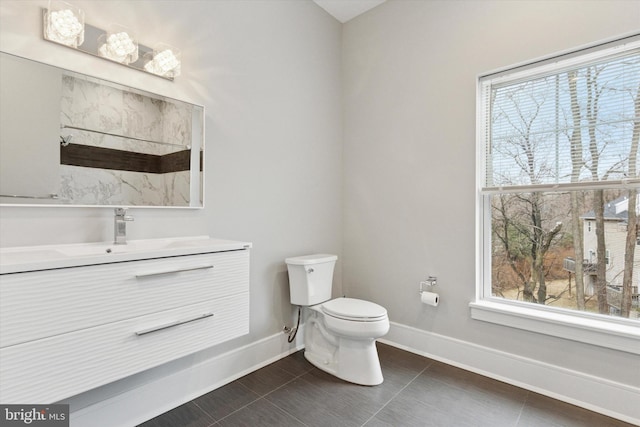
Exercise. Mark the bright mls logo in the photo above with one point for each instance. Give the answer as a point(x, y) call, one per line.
point(34, 415)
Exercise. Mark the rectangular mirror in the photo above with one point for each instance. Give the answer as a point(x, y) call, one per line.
point(68, 139)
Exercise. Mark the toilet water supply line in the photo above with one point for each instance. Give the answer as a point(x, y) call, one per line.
point(312, 321)
point(293, 332)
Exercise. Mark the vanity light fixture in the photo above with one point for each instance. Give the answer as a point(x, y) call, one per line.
point(163, 61)
point(119, 45)
point(64, 24)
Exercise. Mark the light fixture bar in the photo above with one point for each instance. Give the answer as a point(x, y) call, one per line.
point(91, 45)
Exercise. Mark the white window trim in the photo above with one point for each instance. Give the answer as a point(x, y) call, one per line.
point(600, 330)
point(603, 333)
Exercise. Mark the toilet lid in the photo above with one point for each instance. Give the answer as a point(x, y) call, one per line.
point(354, 309)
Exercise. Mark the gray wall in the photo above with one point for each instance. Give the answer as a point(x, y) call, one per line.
point(397, 190)
point(268, 74)
point(410, 71)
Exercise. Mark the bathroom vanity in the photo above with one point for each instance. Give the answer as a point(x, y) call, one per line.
point(75, 317)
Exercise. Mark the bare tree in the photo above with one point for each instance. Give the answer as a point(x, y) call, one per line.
point(507, 230)
point(595, 88)
point(594, 92)
point(632, 221)
point(522, 147)
point(576, 166)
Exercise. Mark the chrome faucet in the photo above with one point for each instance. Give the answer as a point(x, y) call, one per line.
point(120, 226)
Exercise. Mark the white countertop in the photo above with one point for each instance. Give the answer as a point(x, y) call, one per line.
point(46, 257)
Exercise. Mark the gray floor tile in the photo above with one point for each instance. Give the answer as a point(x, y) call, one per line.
point(375, 422)
point(295, 364)
point(474, 383)
point(266, 380)
point(540, 410)
point(400, 367)
point(471, 404)
point(407, 411)
point(394, 356)
point(260, 413)
point(369, 399)
point(223, 401)
point(187, 415)
point(416, 392)
point(316, 405)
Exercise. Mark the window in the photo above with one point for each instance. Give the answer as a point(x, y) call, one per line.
point(559, 173)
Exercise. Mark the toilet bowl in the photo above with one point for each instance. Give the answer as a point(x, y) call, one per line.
point(344, 344)
point(340, 334)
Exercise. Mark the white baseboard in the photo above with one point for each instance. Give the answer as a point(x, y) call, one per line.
point(156, 397)
point(597, 394)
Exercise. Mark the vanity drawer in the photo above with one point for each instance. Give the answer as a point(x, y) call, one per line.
point(40, 304)
point(55, 368)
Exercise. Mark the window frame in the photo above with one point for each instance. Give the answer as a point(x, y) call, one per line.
point(592, 328)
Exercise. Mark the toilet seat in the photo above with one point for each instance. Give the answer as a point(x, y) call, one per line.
point(354, 309)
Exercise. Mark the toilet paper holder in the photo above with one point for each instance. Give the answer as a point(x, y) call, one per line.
point(429, 283)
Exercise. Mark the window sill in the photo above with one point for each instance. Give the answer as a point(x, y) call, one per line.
point(615, 334)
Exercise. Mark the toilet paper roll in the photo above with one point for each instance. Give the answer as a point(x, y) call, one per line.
point(430, 298)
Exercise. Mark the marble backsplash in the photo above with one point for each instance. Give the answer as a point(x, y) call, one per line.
point(165, 125)
point(111, 187)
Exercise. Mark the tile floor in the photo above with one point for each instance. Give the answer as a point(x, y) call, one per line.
point(416, 392)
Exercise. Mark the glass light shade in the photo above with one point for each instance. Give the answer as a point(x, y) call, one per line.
point(64, 24)
point(119, 45)
point(164, 61)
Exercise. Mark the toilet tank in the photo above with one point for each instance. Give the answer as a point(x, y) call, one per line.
point(310, 278)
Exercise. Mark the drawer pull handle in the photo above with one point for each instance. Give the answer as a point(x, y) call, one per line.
point(173, 270)
point(172, 324)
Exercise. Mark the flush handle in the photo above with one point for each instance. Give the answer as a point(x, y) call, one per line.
point(310, 270)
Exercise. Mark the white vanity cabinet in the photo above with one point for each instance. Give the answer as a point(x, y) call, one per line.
point(67, 330)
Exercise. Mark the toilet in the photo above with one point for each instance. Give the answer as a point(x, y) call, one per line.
point(340, 334)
